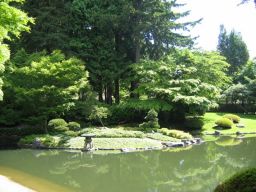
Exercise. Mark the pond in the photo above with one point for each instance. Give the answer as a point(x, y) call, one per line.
point(198, 169)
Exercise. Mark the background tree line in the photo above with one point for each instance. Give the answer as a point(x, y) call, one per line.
point(127, 55)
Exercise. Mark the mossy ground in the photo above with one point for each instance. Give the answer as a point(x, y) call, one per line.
point(116, 143)
point(209, 124)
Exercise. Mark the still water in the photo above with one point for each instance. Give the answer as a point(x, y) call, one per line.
point(198, 169)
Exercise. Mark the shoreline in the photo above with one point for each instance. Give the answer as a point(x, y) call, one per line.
point(8, 185)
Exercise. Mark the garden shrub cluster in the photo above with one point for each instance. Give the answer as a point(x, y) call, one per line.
point(74, 126)
point(151, 120)
point(224, 123)
point(46, 140)
point(194, 123)
point(233, 118)
point(175, 133)
point(244, 181)
point(60, 125)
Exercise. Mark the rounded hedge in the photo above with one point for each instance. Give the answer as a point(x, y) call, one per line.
point(224, 123)
point(232, 117)
point(74, 126)
point(244, 181)
point(58, 125)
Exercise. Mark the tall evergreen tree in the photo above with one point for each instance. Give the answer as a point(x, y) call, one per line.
point(234, 49)
point(50, 30)
point(130, 30)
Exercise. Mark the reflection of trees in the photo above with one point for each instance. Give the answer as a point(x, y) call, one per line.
point(199, 169)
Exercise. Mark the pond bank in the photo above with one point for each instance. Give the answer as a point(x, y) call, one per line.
point(119, 144)
point(7, 185)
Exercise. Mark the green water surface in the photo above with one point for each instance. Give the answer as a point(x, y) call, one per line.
point(198, 169)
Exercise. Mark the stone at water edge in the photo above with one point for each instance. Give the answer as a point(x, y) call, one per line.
point(240, 126)
point(217, 133)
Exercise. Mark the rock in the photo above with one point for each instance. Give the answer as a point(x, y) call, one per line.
point(173, 144)
point(239, 133)
point(37, 144)
point(126, 150)
point(198, 140)
point(240, 126)
point(187, 142)
point(217, 133)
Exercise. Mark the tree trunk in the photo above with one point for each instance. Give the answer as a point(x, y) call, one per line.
point(100, 93)
point(135, 83)
point(117, 92)
point(109, 94)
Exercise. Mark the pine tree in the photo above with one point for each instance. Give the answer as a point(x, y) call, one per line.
point(234, 49)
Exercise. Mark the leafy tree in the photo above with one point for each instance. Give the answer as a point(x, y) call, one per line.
point(211, 67)
point(99, 113)
point(42, 86)
point(164, 80)
point(234, 49)
point(12, 22)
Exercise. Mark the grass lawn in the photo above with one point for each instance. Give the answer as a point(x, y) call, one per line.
point(116, 143)
point(248, 120)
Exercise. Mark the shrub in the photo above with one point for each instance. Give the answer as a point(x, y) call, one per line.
point(244, 181)
point(151, 120)
point(224, 123)
point(194, 123)
point(46, 140)
point(59, 125)
point(74, 126)
point(232, 117)
point(71, 133)
point(175, 133)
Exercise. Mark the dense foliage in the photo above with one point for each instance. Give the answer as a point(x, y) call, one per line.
point(139, 57)
point(39, 86)
point(244, 181)
point(12, 22)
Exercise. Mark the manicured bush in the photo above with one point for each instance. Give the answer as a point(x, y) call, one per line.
point(74, 126)
point(46, 140)
point(244, 181)
point(224, 123)
point(175, 133)
point(71, 133)
point(232, 117)
point(59, 125)
point(194, 123)
point(151, 120)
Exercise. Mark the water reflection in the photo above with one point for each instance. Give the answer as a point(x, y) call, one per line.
point(198, 169)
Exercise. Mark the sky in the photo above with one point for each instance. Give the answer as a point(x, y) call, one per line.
point(241, 18)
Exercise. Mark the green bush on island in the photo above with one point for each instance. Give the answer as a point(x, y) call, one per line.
point(224, 123)
point(59, 125)
point(74, 126)
point(151, 120)
point(194, 123)
point(71, 133)
point(175, 133)
point(46, 140)
point(244, 181)
point(232, 117)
